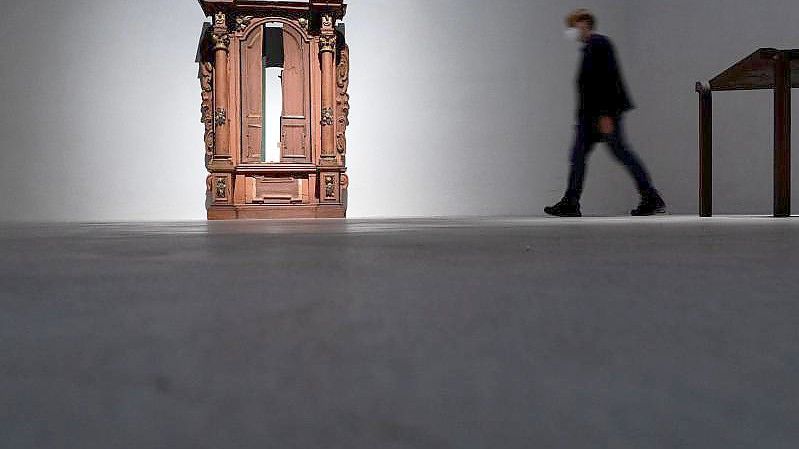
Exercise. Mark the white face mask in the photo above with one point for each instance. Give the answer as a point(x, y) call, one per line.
point(572, 34)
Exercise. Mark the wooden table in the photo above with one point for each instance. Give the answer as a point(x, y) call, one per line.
point(766, 68)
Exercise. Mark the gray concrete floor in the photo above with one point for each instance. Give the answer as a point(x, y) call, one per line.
point(476, 333)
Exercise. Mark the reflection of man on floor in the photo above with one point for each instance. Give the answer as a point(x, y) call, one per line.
point(603, 100)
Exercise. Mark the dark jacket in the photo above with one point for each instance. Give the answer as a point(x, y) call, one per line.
point(600, 86)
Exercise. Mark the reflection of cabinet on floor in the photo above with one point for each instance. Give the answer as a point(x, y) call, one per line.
point(276, 116)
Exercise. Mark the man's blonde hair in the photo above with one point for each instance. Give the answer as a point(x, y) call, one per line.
point(581, 15)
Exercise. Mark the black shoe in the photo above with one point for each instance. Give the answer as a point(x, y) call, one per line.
point(651, 204)
point(564, 208)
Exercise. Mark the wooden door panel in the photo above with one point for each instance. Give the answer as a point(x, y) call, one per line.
point(294, 140)
point(294, 78)
point(294, 123)
point(252, 96)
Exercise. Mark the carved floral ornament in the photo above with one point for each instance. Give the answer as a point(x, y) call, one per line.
point(342, 99)
point(206, 110)
point(330, 186)
point(208, 139)
point(304, 23)
point(242, 22)
point(220, 117)
point(220, 188)
point(327, 116)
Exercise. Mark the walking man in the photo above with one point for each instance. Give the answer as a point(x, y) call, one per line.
point(603, 100)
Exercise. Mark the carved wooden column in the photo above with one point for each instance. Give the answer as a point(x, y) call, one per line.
point(327, 49)
point(221, 41)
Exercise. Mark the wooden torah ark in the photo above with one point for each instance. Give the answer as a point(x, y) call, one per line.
point(274, 77)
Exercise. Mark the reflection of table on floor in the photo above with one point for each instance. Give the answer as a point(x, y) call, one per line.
point(767, 68)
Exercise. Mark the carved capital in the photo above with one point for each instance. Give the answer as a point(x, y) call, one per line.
point(327, 43)
point(221, 41)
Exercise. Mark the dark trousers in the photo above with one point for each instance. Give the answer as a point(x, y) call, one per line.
point(587, 136)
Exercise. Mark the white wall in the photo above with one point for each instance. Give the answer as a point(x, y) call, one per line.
point(100, 111)
point(464, 107)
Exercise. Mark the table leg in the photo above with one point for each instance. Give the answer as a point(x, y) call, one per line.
point(705, 149)
point(782, 136)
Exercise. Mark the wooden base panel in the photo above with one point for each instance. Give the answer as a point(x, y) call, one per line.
point(275, 212)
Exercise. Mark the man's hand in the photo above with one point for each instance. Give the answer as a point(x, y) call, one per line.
point(606, 125)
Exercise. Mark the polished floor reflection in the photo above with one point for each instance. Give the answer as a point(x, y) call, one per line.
point(429, 333)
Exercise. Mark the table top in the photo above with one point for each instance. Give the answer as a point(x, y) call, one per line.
point(756, 71)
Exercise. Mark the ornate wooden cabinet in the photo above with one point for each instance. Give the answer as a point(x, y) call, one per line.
point(274, 78)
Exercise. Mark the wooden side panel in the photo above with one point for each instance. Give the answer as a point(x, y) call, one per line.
point(294, 122)
point(252, 96)
point(279, 190)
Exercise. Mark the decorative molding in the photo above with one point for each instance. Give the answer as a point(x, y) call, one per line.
point(330, 187)
point(290, 14)
point(327, 21)
point(342, 99)
point(327, 117)
point(245, 17)
point(220, 117)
